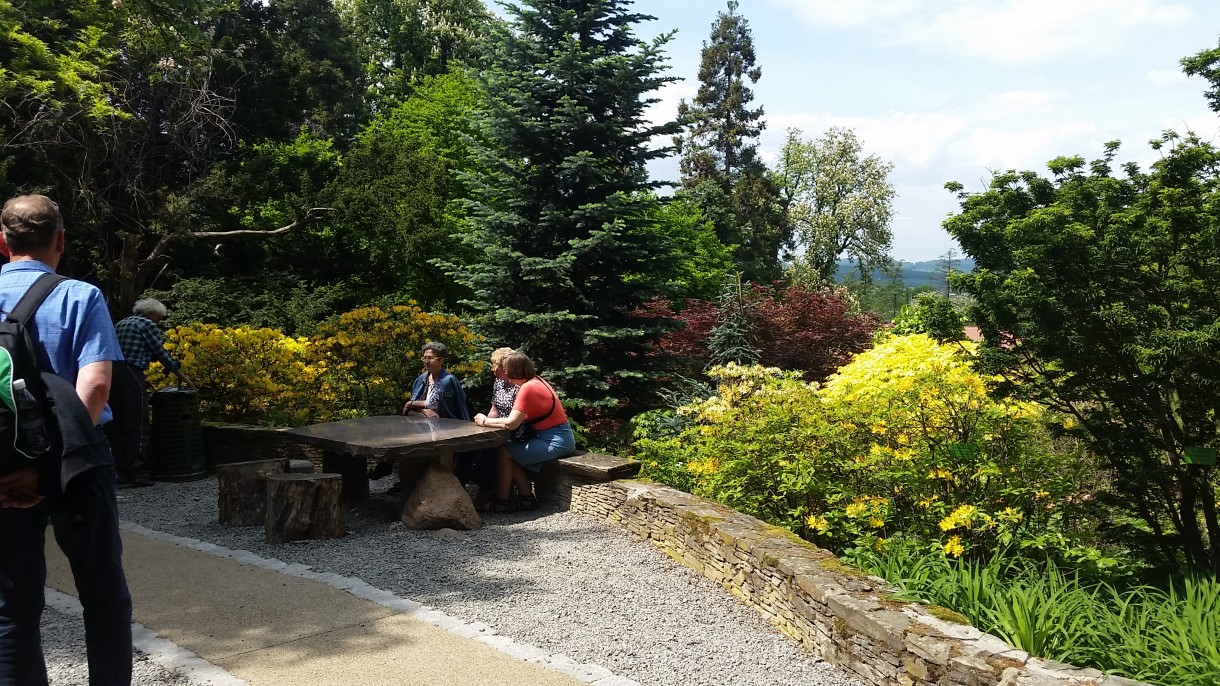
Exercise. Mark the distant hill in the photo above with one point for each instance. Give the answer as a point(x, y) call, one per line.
point(914, 274)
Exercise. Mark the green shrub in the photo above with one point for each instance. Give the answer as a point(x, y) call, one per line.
point(933, 314)
point(903, 439)
point(1169, 637)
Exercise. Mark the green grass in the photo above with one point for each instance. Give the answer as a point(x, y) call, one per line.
point(1166, 636)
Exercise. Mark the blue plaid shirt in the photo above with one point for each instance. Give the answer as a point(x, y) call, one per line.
point(73, 324)
point(142, 343)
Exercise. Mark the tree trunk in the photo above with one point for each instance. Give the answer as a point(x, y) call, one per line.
point(303, 506)
point(242, 490)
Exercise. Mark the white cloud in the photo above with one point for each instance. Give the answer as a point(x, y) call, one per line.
point(1012, 129)
point(666, 108)
point(899, 137)
point(846, 13)
point(1166, 77)
point(1018, 129)
point(1005, 31)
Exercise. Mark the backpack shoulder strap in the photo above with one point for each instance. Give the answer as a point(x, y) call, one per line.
point(32, 300)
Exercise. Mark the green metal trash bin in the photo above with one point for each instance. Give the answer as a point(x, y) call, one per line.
point(176, 441)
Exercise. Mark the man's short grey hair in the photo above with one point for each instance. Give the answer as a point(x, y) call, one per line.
point(147, 306)
point(29, 223)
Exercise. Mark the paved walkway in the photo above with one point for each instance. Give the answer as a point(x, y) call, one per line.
point(268, 628)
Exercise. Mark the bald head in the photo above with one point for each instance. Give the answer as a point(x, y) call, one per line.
point(29, 223)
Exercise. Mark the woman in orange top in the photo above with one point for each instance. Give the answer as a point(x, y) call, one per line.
point(538, 407)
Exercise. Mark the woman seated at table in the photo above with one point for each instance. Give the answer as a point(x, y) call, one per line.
point(435, 393)
point(480, 468)
point(503, 393)
point(539, 408)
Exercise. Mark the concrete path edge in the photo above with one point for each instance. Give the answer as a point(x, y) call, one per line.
point(165, 653)
point(170, 655)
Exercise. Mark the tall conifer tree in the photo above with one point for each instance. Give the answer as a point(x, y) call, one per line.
point(720, 164)
point(560, 195)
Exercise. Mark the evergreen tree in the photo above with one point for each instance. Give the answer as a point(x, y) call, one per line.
point(729, 340)
point(720, 165)
point(558, 203)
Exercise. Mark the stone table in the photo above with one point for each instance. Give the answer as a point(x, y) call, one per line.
point(424, 448)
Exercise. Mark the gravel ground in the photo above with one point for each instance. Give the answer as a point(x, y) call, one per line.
point(561, 582)
point(63, 644)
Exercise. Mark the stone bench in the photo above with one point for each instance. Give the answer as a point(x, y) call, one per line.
point(561, 480)
point(596, 466)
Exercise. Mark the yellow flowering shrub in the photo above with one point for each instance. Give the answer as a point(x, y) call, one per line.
point(904, 439)
point(362, 363)
point(372, 354)
point(246, 374)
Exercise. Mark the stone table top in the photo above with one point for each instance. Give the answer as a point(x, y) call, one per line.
point(397, 436)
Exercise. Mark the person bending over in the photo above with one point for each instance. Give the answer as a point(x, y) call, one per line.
point(142, 344)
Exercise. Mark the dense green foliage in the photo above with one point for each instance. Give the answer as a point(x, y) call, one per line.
point(903, 440)
point(1165, 636)
point(720, 166)
point(178, 138)
point(560, 207)
point(1206, 63)
point(1099, 294)
point(933, 314)
point(402, 41)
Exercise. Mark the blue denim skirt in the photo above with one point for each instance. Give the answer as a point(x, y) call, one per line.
point(544, 445)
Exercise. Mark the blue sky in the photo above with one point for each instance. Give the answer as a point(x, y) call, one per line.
point(951, 90)
point(955, 89)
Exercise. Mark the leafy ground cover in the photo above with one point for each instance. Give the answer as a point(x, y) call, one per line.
point(1161, 635)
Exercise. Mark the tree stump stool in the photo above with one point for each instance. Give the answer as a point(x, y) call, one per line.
point(242, 491)
point(300, 467)
point(301, 506)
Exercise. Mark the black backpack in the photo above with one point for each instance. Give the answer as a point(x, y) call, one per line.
point(20, 356)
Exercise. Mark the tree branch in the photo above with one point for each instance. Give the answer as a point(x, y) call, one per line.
point(311, 215)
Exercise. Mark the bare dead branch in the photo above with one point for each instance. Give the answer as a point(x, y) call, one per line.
point(313, 214)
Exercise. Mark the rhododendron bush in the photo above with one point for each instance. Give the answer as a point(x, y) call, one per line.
point(361, 363)
point(809, 330)
point(904, 439)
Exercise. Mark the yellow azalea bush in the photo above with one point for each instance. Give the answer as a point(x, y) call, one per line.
point(903, 440)
point(246, 374)
point(372, 354)
point(360, 363)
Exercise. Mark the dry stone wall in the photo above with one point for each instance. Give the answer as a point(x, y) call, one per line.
point(838, 613)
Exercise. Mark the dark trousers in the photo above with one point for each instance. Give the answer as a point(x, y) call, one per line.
point(86, 525)
point(476, 467)
point(128, 431)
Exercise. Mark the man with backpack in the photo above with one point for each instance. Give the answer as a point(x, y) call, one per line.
point(72, 485)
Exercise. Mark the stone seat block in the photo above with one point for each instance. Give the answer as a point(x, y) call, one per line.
point(595, 466)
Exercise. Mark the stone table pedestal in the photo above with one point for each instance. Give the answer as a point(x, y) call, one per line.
point(423, 446)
